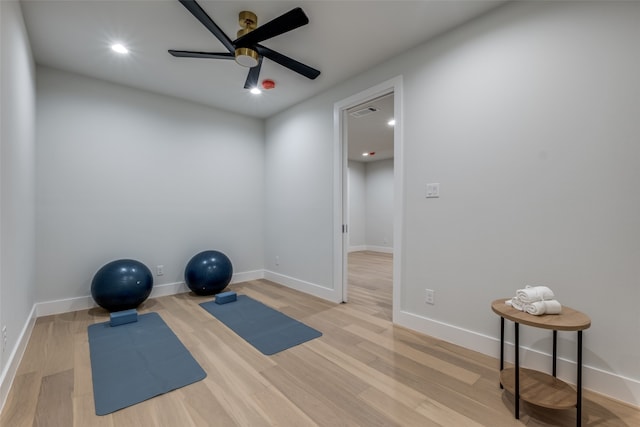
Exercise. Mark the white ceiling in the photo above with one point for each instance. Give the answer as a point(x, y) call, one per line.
point(343, 38)
point(371, 133)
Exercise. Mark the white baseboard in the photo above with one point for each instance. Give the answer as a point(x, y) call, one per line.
point(11, 367)
point(607, 383)
point(168, 289)
point(383, 249)
point(247, 276)
point(302, 286)
point(181, 287)
point(48, 308)
point(453, 334)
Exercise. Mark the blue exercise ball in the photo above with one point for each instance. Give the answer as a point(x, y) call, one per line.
point(208, 272)
point(121, 285)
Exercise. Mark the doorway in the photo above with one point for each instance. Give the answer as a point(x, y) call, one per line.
point(389, 241)
point(369, 140)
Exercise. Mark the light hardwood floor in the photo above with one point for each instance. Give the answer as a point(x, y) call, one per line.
point(363, 371)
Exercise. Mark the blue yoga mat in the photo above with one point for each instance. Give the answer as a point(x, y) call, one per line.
point(134, 362)
point(266, 329)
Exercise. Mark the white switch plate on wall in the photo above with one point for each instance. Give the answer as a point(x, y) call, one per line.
point(433, 190)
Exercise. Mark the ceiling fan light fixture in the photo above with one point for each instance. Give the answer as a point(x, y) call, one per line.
point(246, 57)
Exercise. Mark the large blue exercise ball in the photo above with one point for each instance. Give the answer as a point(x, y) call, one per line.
point(121, 285)
point(208, 272)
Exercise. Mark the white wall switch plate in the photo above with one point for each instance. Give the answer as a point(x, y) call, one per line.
point(433, 190)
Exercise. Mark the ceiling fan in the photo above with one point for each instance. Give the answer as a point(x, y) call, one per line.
point(246, 48)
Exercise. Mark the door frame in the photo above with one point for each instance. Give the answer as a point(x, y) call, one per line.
point(341, 205)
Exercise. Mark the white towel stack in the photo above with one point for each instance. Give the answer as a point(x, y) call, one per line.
point(536, 300)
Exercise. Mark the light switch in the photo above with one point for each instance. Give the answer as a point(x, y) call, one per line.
point(433, 190)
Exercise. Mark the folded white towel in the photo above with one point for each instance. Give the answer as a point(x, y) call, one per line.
point(538, 308)
point(516, 303)
point(534, 293)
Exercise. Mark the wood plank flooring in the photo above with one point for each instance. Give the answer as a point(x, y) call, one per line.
point(363, 371)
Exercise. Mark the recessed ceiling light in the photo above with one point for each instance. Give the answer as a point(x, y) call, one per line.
point(119, 48)
point(392, 122)
point(255, 91)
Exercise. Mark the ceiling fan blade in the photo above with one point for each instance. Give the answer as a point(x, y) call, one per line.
point(285, 61)
point(253, 76)
point(289, 21)
point(190, 54)
point(202, 16)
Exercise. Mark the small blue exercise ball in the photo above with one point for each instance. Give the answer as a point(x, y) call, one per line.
point(208, 272)
point(121, 285)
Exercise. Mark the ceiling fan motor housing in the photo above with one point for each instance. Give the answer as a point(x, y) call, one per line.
point(246, 50)
point(245, 56)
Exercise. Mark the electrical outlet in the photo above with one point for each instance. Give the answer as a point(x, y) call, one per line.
point(277, 260)
point(159, 270)
point(429, 296)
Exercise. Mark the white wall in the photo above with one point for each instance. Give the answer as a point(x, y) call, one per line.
point(529, 120)
point(17, 175)
point(528, 117)
point(371, 205)
point(379, 205)
point(357, 206)
point(298, 167)
point(124, 173)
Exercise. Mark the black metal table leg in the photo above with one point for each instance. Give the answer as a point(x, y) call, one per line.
point(555, 351)
point(517, 384)
point(501, 346)
point(579, 383)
